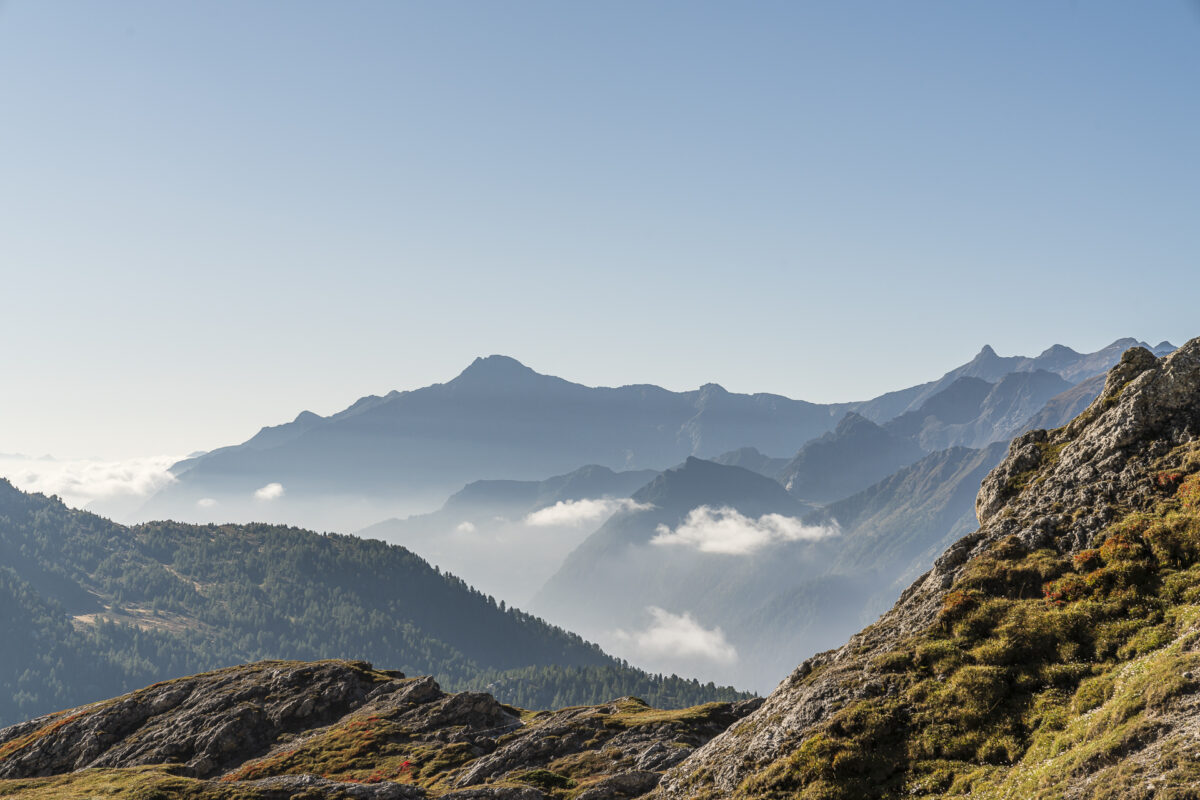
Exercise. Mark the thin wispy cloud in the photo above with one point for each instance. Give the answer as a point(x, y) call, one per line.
point(272, 491)
point(729, 532)
point(580, 512)
point(678, 636)
point(465, 527)
point(82, 481)
point(206, 502)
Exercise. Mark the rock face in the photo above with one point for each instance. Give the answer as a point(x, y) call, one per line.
point(203, 723)
point(344, 729)
point(1044, 619)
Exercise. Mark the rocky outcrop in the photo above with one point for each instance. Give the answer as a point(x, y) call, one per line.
point(1055, 493)
point(344, 729)
point(202, 724)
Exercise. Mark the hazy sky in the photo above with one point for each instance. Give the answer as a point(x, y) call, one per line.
point(215, 215)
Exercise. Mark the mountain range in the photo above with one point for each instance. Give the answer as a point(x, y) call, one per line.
point(1051, 652)
point(405, 452)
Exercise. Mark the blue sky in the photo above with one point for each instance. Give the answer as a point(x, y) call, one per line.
point(215, 215)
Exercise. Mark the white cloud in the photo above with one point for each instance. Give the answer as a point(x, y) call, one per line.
point(79, 481)
point(272, 491)
point(678, 636)
point(725, 530)
point(465, 527)
point(206, 502)
point(579, 512)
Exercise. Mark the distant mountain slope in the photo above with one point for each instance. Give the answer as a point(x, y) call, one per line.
point(749, 458)
point(1064, 407)
point(522, 497)
point(894, 530)
point(491, 534)
point(854, 455)
point(971, 412)
point(92, 608)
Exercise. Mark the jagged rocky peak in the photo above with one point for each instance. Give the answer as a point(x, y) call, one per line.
point(1147, 404)
point(342, 729)
point(1052, 653)
point(711, 393)
point(854, 423)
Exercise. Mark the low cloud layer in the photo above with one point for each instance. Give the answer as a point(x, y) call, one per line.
point(81, 481)
point(272, 491)
point(581, 512)
point(727, 531)
point(678, 637)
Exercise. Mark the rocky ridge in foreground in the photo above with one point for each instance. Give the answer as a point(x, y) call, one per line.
point(335, 729)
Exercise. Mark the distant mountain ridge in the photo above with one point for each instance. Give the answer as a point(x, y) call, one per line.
point(404, 452)
point(1059, 359)
point(497, 419)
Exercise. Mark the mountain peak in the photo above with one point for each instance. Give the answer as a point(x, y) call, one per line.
point(495, 369)
point(698, 482)
point(986, 353)
point(852, 422)
point(496, 364)
point(1058, 351)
